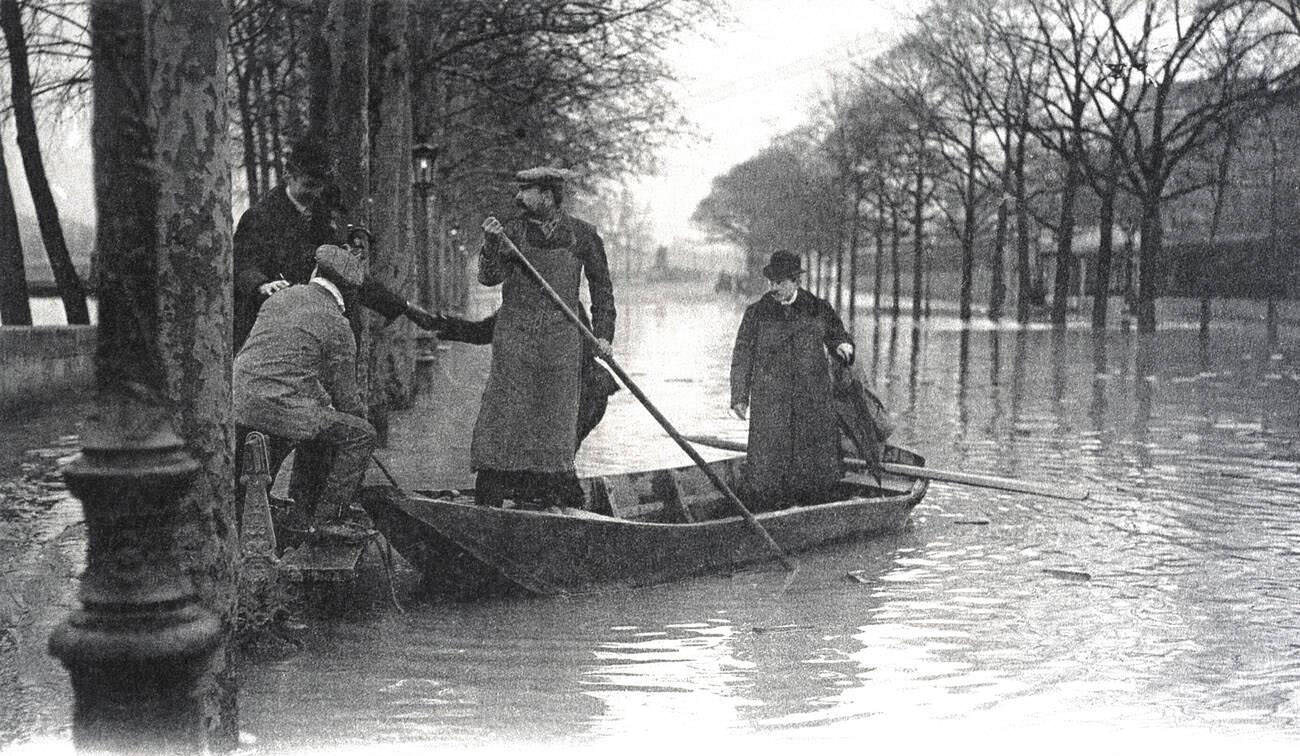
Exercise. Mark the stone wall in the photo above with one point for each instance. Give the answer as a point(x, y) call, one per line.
point(40, 363)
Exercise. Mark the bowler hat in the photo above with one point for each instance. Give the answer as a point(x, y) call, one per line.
point(782, 265)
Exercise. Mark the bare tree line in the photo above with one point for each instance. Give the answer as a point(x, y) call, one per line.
point(992, 128)
point(493, 85)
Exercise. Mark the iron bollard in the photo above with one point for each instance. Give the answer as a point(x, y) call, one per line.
point(135, 649)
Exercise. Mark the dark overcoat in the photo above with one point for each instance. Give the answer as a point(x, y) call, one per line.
point(275, 239)
point(529, 415)
point(779, 368)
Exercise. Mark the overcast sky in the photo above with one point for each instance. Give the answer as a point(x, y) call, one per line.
point(739, 85)
point(754, 78)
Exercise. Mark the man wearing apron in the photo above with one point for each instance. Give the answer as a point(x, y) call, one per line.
point(525, 437)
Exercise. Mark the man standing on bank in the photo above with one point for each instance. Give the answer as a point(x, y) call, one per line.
point(525, 437)
point(276, 241)
point(779, 367)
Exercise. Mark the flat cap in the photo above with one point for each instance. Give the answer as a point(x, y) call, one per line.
point(340, 265)
point(543, 174)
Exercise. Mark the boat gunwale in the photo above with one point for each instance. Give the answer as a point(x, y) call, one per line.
point(913, 494)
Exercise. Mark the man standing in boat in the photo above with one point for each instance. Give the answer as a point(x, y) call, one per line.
point(779, 369)
point(596, 384)
point(525, 437)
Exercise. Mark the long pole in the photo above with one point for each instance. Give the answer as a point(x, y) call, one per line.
point(1054, 491)
point(685, 445)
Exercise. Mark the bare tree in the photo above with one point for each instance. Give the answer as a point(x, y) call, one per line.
point(70, 285)
point(14, 307)
point(392, 349)
point(1180, 95)
point(911, 82)
point(956, 44)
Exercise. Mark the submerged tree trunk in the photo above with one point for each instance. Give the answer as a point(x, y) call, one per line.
point(997, 256)
point(1207, 261)
point(878, 273)
point(894, 242)
point(1023, 284)
point(70, 285)
point(1065, 240)
point(855, 218)
point(392, 350)
point(15, 309)
point(968, 225)
point(1149, 253)
point(189, 58)
point(918, 246)
point(1105, 246)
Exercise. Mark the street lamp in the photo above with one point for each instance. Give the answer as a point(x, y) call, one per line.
point(454, 266)
point(423, 157)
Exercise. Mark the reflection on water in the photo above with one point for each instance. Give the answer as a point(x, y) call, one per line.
point(1168, 600)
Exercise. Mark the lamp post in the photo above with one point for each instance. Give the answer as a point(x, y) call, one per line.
point(454, 259)
point(137, 646)
point(423, 157)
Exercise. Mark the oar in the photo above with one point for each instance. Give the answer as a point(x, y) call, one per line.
point(929, 473)
point(719, 483)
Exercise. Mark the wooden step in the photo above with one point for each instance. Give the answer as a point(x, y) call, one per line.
point(323, 560)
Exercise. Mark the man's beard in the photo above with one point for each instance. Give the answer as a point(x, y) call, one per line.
point(541, 212)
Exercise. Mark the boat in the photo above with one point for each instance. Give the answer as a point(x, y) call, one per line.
point(640, 528)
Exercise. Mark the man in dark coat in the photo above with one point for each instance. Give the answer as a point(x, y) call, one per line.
point(276, 241)
point(779, 368)
point(295, 378)
point(596, 383)
point(525, 436)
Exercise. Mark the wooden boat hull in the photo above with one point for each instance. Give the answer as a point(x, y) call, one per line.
point(468, 551)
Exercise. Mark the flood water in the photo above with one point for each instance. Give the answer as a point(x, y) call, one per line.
point(1160, 615)
point(1166, 606)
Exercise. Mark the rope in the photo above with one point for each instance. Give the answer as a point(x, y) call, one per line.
point(385, 553)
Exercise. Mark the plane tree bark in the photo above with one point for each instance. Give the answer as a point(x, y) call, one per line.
point(188, 114)
point(392, 349)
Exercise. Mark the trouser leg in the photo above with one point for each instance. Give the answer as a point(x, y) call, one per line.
point(490, 488)
point(342, 448)
point(311, 465)
point(562, 490)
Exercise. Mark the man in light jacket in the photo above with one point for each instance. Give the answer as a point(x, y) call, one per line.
point(295, 378)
